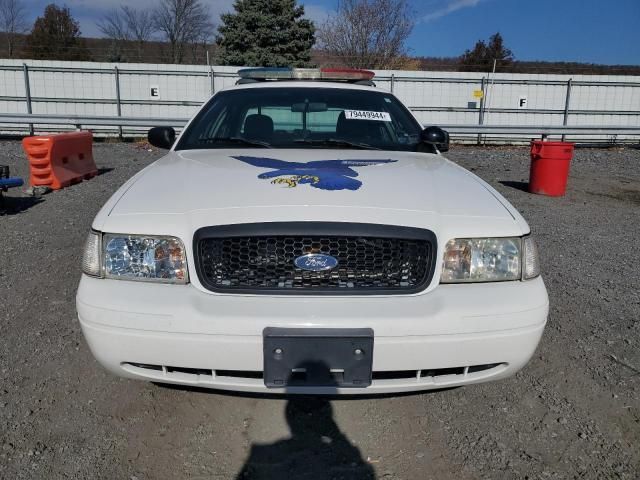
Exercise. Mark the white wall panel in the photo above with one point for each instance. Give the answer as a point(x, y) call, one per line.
point(92, 91)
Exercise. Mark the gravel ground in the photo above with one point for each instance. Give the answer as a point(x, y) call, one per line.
point(573, 412)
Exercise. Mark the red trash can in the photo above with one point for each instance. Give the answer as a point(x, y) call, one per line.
point(549, 167)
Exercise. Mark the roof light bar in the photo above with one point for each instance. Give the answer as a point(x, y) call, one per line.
point(286, 73)
point(306, 74)
point(347, 74)
point(264, 73)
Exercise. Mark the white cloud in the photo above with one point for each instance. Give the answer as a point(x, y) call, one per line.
point(442, 8)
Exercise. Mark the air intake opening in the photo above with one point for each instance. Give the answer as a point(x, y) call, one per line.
point(189, 371)
point(146, 366)
point(239, 374)
point(301, 375)
point(394, 375)
point(442, 371)
point(480, 368)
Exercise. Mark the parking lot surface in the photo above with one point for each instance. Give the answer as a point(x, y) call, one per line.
point(573, 412)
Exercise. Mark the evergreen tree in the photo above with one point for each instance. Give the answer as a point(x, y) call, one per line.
point(268, 33)
point(497, 51)
point(56, 36)
point(481, 58)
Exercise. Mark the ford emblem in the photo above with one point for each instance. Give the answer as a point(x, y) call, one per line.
point(316, 262)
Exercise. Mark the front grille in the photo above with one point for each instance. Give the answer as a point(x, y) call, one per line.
point(259, 258)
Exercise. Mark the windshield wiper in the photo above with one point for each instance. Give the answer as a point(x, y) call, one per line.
point(338, 143)
point(240, 140)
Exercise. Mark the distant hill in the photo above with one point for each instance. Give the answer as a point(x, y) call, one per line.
point(105, 50)
point(535, 66)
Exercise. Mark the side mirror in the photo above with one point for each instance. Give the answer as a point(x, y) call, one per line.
point(437, 137)
point(162, 137)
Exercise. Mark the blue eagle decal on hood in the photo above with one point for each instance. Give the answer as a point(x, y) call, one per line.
point(322, 174)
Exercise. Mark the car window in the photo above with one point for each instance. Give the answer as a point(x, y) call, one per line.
point(216, 124)
point(324, 121)
point(282, 116)
point(302, 117)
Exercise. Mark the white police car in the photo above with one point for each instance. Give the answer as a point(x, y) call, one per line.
point(304, 235)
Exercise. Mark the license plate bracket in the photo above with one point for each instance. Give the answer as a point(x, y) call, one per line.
point(317, 357)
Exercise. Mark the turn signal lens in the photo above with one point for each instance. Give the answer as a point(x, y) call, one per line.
point(91, 255)
point(531, 262)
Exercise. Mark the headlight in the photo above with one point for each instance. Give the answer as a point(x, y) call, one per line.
point(482, 260)
point(91, 255)
point(144, 257)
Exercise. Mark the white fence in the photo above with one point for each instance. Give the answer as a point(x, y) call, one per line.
point(439, 98)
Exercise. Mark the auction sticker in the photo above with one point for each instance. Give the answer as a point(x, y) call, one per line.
point(364, 115)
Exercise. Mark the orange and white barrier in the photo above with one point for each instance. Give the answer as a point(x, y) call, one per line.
point(58, 161)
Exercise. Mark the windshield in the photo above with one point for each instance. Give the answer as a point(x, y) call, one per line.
point(302, 117)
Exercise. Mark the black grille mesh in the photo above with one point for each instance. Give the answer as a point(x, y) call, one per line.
point(266, 263)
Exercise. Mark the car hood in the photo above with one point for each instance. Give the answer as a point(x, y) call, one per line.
point(230, 186)
point(190, 180)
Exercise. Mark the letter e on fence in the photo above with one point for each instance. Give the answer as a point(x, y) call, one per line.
point(155, 91)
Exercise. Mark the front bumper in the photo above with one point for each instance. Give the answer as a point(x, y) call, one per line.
point(178, 334)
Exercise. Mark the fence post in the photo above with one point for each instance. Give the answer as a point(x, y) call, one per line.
point(481, 112)
point(566, 106)
point(393, 78)
point(27, 94)
point(213, 78)
point(118, 104)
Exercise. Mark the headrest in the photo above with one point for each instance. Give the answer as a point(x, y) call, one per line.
point(259, 127)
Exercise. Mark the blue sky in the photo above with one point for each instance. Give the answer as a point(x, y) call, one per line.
point(597, 31)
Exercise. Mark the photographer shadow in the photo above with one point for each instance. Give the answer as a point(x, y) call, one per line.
point(316, 449)
point(10, 205)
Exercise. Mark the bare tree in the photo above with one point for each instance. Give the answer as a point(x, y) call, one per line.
point(13, 22)
point(113, 25)
point(183, 23)
point(367, 33)
point(201, 44)
point(139, 24)
point(126, 24)
point(140, 27)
